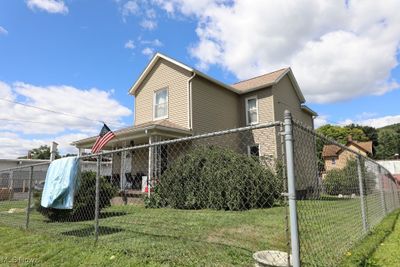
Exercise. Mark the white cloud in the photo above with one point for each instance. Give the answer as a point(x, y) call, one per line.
point(20, 123)
point(154, 42)
point(375, 122)
point(320, 121)
point(14, 145)
point(338, 49)
point(129, 8)
point(129, 44)
point(148, 51)
point(3, 31)
point(51, 6)
point(148, 24)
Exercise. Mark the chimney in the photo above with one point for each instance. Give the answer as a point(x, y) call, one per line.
point(349, 138)
point(53, 150)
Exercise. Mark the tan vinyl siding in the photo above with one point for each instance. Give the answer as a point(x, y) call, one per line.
point(164, 75)
point(285, 97)
point(214, 108)
point(265, 137)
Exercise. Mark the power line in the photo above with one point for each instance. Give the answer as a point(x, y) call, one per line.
point(56, 112)
point(40, 122)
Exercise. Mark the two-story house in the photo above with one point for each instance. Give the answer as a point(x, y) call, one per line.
point(336, 158)
point(174, 100)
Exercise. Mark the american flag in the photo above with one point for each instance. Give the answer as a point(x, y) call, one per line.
point(104, 137)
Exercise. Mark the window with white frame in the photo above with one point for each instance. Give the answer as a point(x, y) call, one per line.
point(251, 110)
point(253, 150)
point(160, 104)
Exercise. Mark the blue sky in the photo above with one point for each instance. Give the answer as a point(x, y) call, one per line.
point(81, 57)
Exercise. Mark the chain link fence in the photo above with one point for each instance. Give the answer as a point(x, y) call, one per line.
point(215, 198)
point(339, 198)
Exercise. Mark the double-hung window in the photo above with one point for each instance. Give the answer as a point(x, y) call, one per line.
point(160, 104)
point(251, 110)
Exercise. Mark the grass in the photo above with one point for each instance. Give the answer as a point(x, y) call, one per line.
point(138, 236)
point(387, 251)
point(134, 235)
point(360, 254)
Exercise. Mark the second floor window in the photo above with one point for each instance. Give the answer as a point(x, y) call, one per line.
point(161, 104)
point(251, 110)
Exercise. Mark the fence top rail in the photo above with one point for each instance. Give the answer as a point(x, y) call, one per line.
point(313, 132)
point(25, 166)
point(171, 141)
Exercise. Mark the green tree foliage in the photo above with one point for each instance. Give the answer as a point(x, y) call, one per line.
point(389, 144)
point(84, 200)
point(341, 134)
point(370, 132)
point(345, 181)
point(217, 178)
point(42, 152)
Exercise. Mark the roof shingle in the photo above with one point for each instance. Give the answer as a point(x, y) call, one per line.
point(266, 79)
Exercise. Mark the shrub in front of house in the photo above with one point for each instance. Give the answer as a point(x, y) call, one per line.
point(345, 181)
point(84, 200)
point(217, 178)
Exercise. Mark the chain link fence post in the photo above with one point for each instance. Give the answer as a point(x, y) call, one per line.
point(97, 204)
point(382, 190)
point(28, 208)
point(362, 197)
point(294, 235)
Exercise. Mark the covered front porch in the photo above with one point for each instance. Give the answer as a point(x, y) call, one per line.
point(130, 169)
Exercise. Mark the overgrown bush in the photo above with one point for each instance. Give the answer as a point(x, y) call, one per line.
point(345, 181)
point(84, 200)
point(217, 178)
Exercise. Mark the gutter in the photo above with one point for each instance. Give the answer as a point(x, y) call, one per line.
point(190, 108)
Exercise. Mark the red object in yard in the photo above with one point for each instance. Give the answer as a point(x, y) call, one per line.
point(146, 189)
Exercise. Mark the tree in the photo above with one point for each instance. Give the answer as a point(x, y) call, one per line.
point(389, 144)
point(42, 152)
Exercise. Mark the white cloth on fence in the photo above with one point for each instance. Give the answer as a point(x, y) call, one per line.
point(61, 182)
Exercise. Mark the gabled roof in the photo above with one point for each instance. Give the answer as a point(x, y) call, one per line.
point(241, 87)
point(158, 56)
point(334, 150)
point(366, 146)
point(262, 80)
point(330, 151)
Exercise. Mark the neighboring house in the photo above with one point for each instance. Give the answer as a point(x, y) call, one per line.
point(336, 158)
point(18, 179)
point(173, 100)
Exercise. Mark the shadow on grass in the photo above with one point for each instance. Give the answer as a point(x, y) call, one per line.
point(89, 231)
point(132, 234)
point(80, 218)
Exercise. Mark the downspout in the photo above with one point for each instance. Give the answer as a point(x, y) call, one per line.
point(189, 108)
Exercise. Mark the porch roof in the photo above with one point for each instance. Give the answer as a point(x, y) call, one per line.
point(138, 132)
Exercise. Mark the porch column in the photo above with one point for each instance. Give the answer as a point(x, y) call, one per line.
point(149, 174)
point(122, 170)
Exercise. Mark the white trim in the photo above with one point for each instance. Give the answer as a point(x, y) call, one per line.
point(154, 104)
point(189, 103)
point(246, 109)
point(152, 62)
point(250, 146)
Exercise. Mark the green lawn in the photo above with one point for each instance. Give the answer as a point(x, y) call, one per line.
point(134, 235)
point(387, 253)
point(140, 236)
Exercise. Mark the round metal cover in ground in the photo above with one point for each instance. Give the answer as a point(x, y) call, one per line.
point(271, 258)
